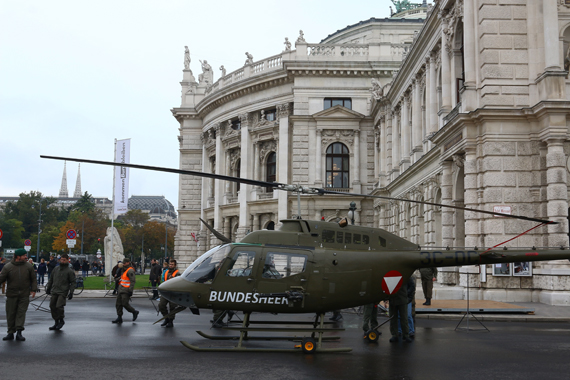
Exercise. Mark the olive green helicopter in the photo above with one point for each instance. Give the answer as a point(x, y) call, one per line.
point(309, 266)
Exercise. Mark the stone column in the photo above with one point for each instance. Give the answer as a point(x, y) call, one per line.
point(416, 120)
point(255, 226)
point(227, 227)
point(469, 95)
point(551, 40)
point(388, 161)
point(228, 171)
point(256, 162)
point(356, 163)
point(319, 159)
point(382, 146)
point(396, 143)
point(283, 111)
point(427, 102)
point(445, 67)
point(246, 172)
point(218, 187)
point(471, 199)
point(556, 192)
point(432, 126)
point(376, 161)
point(447, 226)
point(405, 133)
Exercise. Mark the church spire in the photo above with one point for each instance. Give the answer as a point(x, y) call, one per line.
point(77, 193)
point(63, 189)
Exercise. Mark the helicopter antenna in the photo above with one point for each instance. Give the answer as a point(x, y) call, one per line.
point(285, 187)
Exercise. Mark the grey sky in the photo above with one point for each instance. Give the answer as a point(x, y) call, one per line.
point(75, 75)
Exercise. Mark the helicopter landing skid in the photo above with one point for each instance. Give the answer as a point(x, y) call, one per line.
point(310, 344)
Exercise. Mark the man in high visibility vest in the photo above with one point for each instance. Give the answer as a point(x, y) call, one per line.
point(126, 287)
point(163, 305)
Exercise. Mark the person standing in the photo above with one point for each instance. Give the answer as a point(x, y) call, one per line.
point(126, 287)
point(399, 308)
point(85, 268)
point(411, 297)
point(164, 304)
point(22, 282)
point(42, 269)
point(76, 266)
point(2, 263)
point(370, 318)
point(51, 266)
point(429, 275)
point(116, 273)
point(60, 285)
point(154, 277)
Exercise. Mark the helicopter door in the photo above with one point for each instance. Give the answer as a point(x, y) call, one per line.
point(285, 270)
point(240, 275)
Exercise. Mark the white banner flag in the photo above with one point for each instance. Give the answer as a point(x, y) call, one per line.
point(122, 154)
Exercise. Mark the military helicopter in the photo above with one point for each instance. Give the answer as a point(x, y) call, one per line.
point(312, 267)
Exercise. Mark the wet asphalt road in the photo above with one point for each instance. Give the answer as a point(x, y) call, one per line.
point(90, 347)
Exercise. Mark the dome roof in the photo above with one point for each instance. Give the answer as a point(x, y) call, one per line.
point(153, 204)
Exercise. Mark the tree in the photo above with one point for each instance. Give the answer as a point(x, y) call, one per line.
point(85, 204)
point(59, 243)
point(135, 218)
point(27, 210)
point(12, 232)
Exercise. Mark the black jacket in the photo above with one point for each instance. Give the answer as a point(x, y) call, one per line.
point(155, 272)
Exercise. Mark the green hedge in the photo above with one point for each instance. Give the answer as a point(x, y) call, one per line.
point(98, 283)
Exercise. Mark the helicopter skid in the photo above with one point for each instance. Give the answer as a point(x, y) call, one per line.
point(235, 337)
point(244, 349)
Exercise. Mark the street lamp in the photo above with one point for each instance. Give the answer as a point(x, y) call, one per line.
point(351, 211)
point(39, 232)
point(166, 228)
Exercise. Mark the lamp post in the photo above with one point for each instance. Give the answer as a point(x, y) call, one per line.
point(39, 232)
point(351, 211)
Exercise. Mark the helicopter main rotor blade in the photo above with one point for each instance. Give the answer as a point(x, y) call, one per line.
point(324, 191)
point(217, 234)
point(286, 187)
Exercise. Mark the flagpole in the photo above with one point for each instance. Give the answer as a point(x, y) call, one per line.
point(113, 217)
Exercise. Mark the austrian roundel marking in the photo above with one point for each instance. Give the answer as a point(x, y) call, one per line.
point(392, 282)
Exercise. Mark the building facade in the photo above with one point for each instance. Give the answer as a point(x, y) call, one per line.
point(467, 107)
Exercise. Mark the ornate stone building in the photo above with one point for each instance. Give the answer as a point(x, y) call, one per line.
point(467, 107)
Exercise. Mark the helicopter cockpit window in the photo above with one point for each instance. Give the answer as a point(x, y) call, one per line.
point(242, 264)
point(328, 236)
point(204, 269)
point(280, 265)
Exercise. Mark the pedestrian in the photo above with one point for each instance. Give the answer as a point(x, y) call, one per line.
point(85, 268)
point(116, 273)
point(22, 282)
point(33, 265)
point(154, 278)
point(429, 275)
point(126, 287)
point(399, 307)
point(411, 297)
point(164, 269)
point(60, 285)
point(94, 268)
point(337, 316)
point(164, 304)
point(76, 266)
point(51, 265)
point(2, 263)
point(370, 318)
point(42, 269)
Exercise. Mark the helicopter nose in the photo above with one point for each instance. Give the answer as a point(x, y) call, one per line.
point(176, 290)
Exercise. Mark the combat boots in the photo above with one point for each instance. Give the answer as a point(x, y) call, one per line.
point(165, 323)
point(170, 323)
point(10, 336)
point(428, 302)
point(54, 325)
point(19, 336)
point(60, 324)
point(118, 320)
point(135, 315)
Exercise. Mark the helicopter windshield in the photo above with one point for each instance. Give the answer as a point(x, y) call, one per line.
point(204, 269)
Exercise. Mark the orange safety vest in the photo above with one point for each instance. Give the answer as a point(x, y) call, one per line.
point(125, 281)
point(166, 274)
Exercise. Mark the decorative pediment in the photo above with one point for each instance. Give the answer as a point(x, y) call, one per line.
point(338, 112)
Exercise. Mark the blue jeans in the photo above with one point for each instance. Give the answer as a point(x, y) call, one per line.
point(410, 321)
point(41, 279)
point(84, 272)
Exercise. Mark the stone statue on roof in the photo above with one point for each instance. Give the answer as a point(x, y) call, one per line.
point(404, 5)
point(186, 58)
point(207, 75)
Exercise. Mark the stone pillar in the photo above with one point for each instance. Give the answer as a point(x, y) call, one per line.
point(218, 185)
point(551, 40)
point(376, 161)
point(405, 133)
point(471, 199)
point(227, 231)
point(447, 226)
point(396, 143)
point(417, 137)
point(255, 225)
point(283, 111)
point(427, 104)
point(356, 163)
point(556, 192)
point(246, 172)
point(389, 129)
point(319, 159)
point(382, 146)
point(432, 126)
point(445, 69)
point(256, 162)
point(228, 171)
point(469, 95)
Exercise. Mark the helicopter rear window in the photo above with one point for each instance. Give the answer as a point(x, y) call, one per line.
point(280, 265)
point(365, 239)
point(339, 236)
point(347, 238)
point(204, 269)
point(328, 236)
point(382, 241)
point(357, 239)
point(242, 264)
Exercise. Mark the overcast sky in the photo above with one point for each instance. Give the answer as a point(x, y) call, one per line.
point(75, 75)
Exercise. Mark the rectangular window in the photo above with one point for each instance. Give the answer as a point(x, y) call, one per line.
point(357, 239)
point(280, 265)
point(365, 239)
point(382, 241)
point(242, 264)
point(328, 236)
point(339, 236)
point(347, 238)
point(270, 115)
point(236, 125)
point(331, 102)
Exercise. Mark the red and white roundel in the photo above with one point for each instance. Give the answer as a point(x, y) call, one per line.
point(392, 282)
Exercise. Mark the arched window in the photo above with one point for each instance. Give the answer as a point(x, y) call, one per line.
point(338, 166)
point(271, 169)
